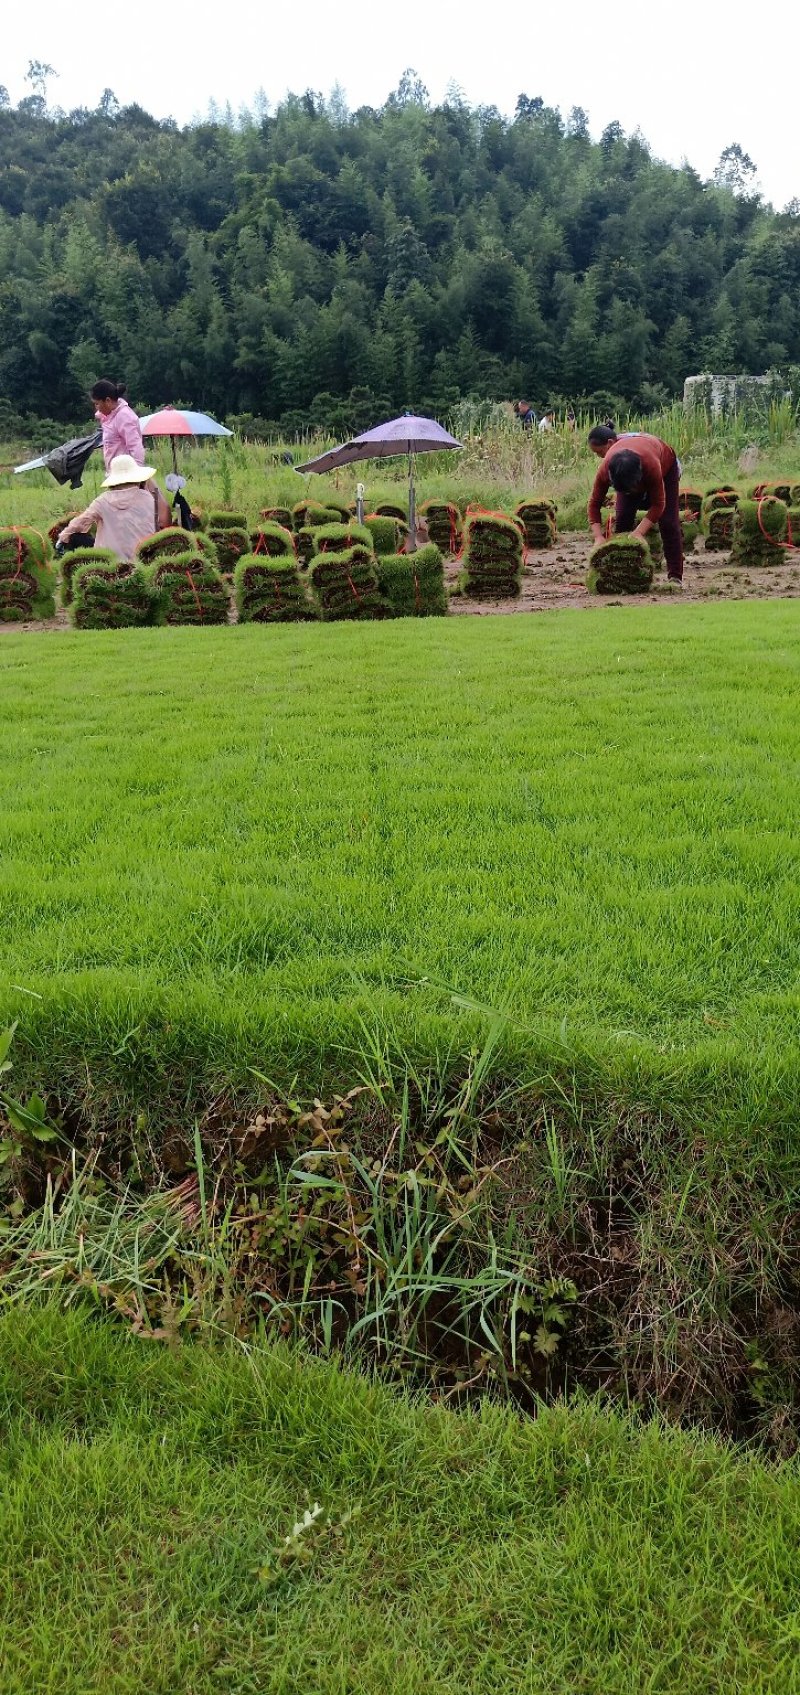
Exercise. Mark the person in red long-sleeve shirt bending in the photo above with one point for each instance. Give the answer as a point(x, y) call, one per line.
point(643, 471)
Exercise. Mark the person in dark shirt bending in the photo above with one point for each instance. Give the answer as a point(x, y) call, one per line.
point(644, 472)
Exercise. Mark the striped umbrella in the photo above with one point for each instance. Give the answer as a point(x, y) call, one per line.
point(175, 421)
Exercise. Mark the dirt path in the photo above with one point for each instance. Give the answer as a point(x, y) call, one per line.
point(557, 577)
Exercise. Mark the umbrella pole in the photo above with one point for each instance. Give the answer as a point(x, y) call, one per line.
point(174, 455)
point(412, 508)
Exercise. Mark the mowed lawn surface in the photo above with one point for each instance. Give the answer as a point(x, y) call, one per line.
point(147, 1497)
point(238, 847)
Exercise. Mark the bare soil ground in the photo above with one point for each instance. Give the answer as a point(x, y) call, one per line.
point(556, 577)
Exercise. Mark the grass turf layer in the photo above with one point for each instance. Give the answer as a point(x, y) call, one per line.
point(760, 532)
point(620, 565)
point(148, 1495)
point(269, 590)
point(218, 854)
point(539, 521)
point(27, 580)
point(111, 597)
point(413, 584)
point(188, 589)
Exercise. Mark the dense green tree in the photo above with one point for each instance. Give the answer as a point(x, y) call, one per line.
point(314, 264)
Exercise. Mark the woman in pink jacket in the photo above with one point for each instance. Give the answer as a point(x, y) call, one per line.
point(122, 432)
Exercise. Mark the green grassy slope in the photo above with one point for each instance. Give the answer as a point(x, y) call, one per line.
point(229, 848)
point(146, 1498)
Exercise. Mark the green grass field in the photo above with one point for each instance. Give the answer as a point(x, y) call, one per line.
point(147, 1498)
point(237, 848)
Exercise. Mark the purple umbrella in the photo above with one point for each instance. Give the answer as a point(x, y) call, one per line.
point(407, 435)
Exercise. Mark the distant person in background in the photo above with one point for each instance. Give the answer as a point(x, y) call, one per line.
point(124, 515)
point(524, 411)
point(122, 432)
point(645, 474)
point(572, 422)
point(547, 421)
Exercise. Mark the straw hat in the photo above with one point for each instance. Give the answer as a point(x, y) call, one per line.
point(124, 469)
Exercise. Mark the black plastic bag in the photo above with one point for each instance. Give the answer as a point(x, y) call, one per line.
point(67, 462)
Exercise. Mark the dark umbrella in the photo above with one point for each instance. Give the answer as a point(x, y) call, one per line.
point(406, 435)
point(175, 421)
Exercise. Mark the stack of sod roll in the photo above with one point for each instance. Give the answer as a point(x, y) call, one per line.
point(334, 538)
point(269, 590)
point(760, 532)
point(27, 580)
point(278, 515)
point(390, 509)
point(717, 524)
point(334, 503)
point(656, 545)
point(386, 532)
point(718, 527)
point(187, 589)
point(166, 543)
point(110, 595)
point(346, 584)
point(690, 530)
point(444, 524)
point(309, 514)
point(413, 583)
point(779, 491)
point(72, 562)
point(621, 565)
point(493, 559)
point(538, 519)
point(272, 541)
point(228, 531)
point(60, 524)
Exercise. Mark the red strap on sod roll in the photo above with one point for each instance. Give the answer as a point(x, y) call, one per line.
point(20, 546)
point(190, 580)
point(764, 531)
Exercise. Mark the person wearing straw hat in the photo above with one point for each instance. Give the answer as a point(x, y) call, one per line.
point(125, 515)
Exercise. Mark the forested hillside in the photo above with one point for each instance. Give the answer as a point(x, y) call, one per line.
point(317, 265)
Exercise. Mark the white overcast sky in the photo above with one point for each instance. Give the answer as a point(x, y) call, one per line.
point(691, 77)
